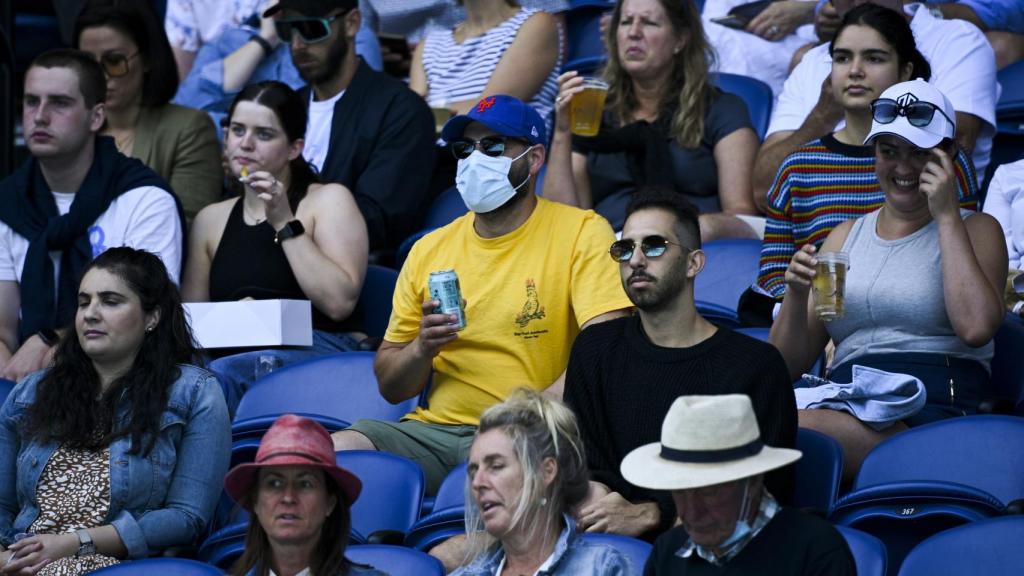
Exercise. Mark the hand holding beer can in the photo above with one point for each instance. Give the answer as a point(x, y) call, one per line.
point(829, 285)
point(444, 287)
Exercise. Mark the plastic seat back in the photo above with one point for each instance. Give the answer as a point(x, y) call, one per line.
point(755, 94)
point(730, 268)
point(1008, 364)
point(392, 491)
point(868, 551)
point(336, 390)
point(395, 559)
point(446, 207)
point(5, 388)
point(586, 51)
point(818, 472)
point(375, 299)
point(635, 550)
point(161, 566)
point(992, 547)
point(447, 516)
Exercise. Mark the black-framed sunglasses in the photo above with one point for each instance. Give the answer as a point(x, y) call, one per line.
point(492, 146)
point(311, 30)
point(919, 114)
point(115, 64)
point(651, 246)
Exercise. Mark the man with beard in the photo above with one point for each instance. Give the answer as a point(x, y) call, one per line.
point(532, 274)
point(623, 375)
point(366, 130)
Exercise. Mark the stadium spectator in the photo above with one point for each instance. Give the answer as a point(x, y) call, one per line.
point(527, 472)
point(307, 239)
point(117, 451)
point(664, 124)
point(299, 501)
point(1001, 20)
point(366, 131)
point(832, 179)
point(623, 374)
point(962, 64)
point(179, 144)
point(533, 273)
point(499, 49)
point(73, 198)
point(192, 24)
point(712, 458)
point(924, 288)
point(1005, 202)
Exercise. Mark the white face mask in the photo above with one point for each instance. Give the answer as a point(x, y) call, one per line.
point(483, 181)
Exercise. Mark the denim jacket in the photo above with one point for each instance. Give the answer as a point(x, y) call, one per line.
point(572, 556)
point(161, 500)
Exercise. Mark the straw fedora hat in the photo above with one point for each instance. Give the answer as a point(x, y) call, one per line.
point(292, 441)
point(705, 440)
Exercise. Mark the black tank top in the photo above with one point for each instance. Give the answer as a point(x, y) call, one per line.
point(249, 264)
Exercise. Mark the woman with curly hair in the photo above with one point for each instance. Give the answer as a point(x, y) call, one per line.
point(118, 450)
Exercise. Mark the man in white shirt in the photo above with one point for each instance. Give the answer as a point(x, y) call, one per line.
point(72, 199)
point(963, 67)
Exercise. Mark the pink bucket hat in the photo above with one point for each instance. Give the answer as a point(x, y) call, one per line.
point(292, 441)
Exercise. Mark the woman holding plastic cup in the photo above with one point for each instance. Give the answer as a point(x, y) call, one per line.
point(923, 292)
point(663, 123)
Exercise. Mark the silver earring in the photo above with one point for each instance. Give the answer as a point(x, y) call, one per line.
point(544, 501)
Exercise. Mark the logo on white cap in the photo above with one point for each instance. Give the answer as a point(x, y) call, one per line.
point(906, 99)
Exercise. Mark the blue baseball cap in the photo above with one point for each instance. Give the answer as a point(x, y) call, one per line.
point(506, 115)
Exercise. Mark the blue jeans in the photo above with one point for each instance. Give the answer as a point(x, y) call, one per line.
point(237, 372)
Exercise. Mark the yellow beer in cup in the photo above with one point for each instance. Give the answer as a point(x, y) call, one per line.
point(587, 106)
point(830, 285)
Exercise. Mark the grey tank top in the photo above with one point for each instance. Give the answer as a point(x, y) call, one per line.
point(894, 299)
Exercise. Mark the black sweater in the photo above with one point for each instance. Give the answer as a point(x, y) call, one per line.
point(621, 386)
point(793, 543)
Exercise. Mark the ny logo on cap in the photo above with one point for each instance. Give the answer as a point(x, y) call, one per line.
point(533, 132)
point(906, 99)
point(485, 104)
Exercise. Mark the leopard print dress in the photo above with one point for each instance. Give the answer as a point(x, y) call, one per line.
point(74, 492)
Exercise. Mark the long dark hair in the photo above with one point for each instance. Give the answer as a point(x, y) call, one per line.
point(66, 408)
point(894, 28)
point(328, 555)
point(291, 112)
point(135, 19)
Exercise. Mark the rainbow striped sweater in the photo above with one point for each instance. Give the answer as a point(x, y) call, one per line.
point(822, 184)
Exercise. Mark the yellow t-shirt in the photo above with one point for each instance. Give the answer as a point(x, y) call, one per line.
point(527, 294)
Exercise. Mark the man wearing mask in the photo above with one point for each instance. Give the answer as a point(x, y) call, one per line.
point(532, 274)
point(366, 130)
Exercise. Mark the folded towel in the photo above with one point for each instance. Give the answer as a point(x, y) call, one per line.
point(876, 397)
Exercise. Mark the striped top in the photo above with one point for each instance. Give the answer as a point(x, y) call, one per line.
point(822, 184)
point(457, 72)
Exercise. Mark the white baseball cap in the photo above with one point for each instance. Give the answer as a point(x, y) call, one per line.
point(907, 106)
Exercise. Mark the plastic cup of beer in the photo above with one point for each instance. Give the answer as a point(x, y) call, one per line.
point(586, 107)
point(830, 285)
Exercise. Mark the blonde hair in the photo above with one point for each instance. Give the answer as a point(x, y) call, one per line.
point(539, 428)
point(688, 89)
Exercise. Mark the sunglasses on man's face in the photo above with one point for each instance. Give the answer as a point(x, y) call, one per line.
point(116, 65)
point(919, 114)
point(651, 246)
point(492, 146)
point(310, 30)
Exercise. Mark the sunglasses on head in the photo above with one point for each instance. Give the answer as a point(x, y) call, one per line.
point(492, 146)
point(116, 65)
point(919, 114)
point(311, 30)
point(651, 246)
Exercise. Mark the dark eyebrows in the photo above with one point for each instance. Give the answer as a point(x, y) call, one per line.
point(103, 294)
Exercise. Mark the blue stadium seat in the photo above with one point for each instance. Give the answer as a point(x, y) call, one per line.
point(392, 492)
point(868, 551)
point(336, 390)
point(992, 548)
point(395, 559)
point(375, 299)
point(934, 477)
point(762, 333)
point(5, 388)
point(818, 472)
point(447, 518)
point(585, 51)
point(161, 566)
point(755, 94)
point(446, 207)
point(1008, 364)
point(731, 267)
point(635, 550)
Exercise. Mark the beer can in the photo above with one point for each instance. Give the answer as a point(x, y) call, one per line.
point(444, 287)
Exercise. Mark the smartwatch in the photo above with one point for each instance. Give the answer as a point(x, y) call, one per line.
point(86, 547)
point(290, 230)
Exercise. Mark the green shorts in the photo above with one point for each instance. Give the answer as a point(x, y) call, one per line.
point(437, 448)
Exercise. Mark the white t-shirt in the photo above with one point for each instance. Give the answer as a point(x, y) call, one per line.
point(1005, 201)
point(144, 218)
point(963, 68)
point(318, 129)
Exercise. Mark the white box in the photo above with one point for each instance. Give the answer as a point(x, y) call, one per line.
point(251, 323)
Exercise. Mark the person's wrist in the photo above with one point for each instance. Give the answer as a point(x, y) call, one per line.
point(69, 544)
point(263, 43)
